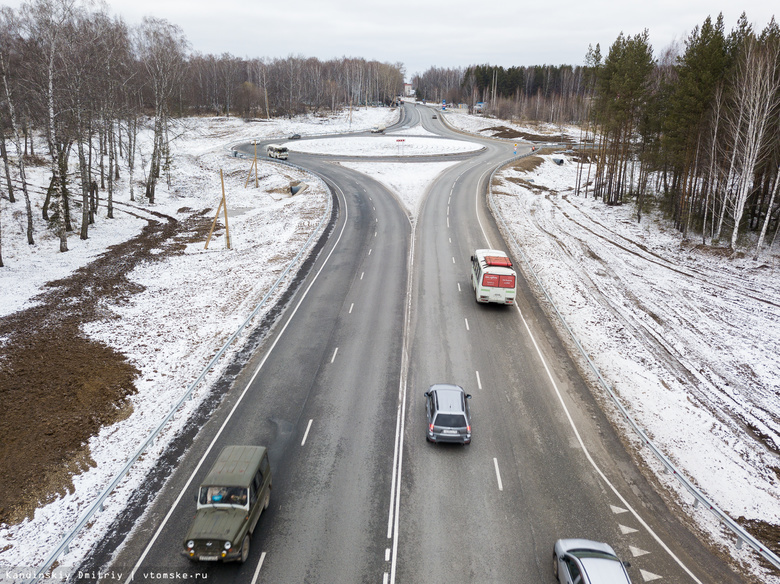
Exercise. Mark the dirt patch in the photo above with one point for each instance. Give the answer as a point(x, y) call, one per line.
point(512, 134)
point(766, 533)
point(57, 387)
point(527, 164)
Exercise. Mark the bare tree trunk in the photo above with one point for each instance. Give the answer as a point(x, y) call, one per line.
point(6, 166)
point(132, 135)
point(111, 162)
point(758, 94)
point(768, 216)
point(20, 158)
point(85, 188)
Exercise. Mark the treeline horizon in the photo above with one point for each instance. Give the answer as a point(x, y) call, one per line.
point(682, 124)
point(87, 82)
point(699, 125)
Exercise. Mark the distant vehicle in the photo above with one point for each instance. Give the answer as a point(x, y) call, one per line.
point(277, 151)
point(380, 129)
point(447, 411)
point(492, 277)
point(230, 501)
point(581, 561)
point(295, 137)
point(434, 117)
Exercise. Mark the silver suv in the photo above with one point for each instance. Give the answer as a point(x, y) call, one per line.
point(449, 419)
point(581, 561)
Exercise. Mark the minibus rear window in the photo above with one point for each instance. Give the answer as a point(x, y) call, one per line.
point(490, 280)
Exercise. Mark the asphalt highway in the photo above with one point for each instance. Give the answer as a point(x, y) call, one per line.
point(336, 393)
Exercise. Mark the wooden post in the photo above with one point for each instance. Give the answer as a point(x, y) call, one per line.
point(222, 203)
point(254, 165)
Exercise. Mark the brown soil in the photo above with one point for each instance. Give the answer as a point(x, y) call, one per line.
point(57, 387)
point(764, 532)
point(510, 134)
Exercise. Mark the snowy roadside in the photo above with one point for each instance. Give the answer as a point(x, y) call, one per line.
point(687, 337)
point(190, 305)
point(688, 340)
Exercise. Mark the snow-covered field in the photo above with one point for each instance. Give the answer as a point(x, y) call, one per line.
point(688, 339)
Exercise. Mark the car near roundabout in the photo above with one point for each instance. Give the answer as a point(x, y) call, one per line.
point(582, 561)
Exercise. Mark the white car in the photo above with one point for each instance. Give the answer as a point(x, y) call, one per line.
point(581, 561)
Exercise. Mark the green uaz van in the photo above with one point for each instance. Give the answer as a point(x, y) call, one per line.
point(230, 501)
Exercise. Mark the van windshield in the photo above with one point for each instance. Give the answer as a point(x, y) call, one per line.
point(227, 496)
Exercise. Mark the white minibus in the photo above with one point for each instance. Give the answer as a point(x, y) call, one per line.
point(492, 277)
point(277, 151)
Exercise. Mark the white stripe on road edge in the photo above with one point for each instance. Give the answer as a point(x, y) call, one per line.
point(186, 486)
point(257, 570)
point(585, 451)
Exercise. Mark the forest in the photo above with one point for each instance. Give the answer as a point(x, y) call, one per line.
point(88, 83)
point(694, 130)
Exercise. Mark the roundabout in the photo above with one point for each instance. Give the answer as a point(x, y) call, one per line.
point(382, 146)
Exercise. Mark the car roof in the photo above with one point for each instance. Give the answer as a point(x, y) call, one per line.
point(235, 466)
point(606, 570)
point(598, 559)
point(449, 398)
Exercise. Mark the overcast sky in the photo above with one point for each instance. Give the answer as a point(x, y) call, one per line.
point(423, 34)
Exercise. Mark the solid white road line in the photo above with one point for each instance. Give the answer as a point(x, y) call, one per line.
point(393, 520)
point(213, 442)
point(332, 359)
point(257, 570)
point(592, 462)
point(585, 451)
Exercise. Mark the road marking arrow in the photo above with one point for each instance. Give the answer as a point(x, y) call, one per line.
point(649, 576)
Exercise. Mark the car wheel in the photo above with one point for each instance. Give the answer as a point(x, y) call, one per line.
point(555, 566)
point(244, 549)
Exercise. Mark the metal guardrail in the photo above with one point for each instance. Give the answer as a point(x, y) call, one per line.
point(64, 545)
point(741, 534)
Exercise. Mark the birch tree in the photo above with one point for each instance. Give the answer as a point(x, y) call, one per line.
point(161, 47)
point(756, 98)
point(45, 21)
point(8, 31)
